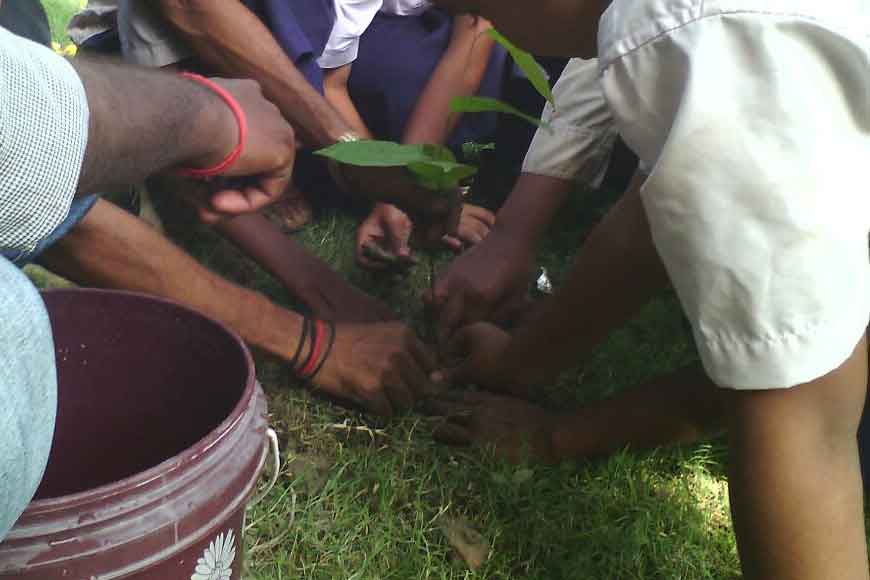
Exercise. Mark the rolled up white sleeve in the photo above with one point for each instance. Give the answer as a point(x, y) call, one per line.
point(755, 128)
point(580, 133)
point(352, 18)
point(43, 136)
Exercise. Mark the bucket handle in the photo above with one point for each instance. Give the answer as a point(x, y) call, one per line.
point(271, 445)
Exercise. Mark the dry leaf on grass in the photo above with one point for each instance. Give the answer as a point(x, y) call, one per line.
point(472, 547)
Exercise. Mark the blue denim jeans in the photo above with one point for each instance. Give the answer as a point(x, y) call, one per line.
point(28, 392)
point(79, 209)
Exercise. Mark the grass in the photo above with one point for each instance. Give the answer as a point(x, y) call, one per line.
point(59, 13)
point(361, 500)
point(358, 499)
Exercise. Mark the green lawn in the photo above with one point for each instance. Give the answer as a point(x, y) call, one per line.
point(357, 499)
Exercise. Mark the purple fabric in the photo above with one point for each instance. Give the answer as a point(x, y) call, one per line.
point(397, 55)
point(301, 28)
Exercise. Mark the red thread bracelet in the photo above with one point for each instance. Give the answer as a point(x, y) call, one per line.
point(315, 350)
point(241, 119)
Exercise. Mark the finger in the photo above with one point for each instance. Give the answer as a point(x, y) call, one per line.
point(237, 202)
point(455, 374)
point(370, 264)
point(481, 214)
point(414, 377)
point(423, 356)
point(468, 399)
point(209, 217)
point(400, 396)
point(437, 296)
point(453, 434)
point(452, 243)
point(398, 235)
point(458, 413)
point(473, 231)
point(378, 403)
point(511, 307)
point(451, 316)
point(363, 259)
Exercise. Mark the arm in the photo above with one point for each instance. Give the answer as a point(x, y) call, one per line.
point(680, 407)
point(615, 273)
point(490, 281)
point(335, 89)
point(379, 366)
point(158, 122)
point(548, 28)
point(307, 277)
point(459, 73)
point(232, 40)
point(71, 132)
point(163, 121)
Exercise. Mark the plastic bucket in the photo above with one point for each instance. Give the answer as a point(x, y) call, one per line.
point(158, 446)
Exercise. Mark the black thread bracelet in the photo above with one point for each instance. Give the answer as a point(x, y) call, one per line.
point(295, 360)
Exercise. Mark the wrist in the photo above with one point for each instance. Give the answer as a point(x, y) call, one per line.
point(514, 244)
point(214, 131)
point(516, 230)
point(342, 134)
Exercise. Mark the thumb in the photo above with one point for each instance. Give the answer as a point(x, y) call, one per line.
point(460, 350)
point(398, 229)
point(461, 372)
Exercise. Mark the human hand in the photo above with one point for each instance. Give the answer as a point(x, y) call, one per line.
point(469, 24)
point(262, 173)
point(382, 367)
point(440, 212)
point(514, 428)
point(488, 282)
point(387, 230)
point(478, 350)
point(475, 223)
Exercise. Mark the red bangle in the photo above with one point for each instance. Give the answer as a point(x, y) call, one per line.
point(241, 119)
point(315, 350)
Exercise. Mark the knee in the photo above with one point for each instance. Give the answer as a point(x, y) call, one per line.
point(825, 412)
point(28, 392)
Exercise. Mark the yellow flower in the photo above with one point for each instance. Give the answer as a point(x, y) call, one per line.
point(68, 50)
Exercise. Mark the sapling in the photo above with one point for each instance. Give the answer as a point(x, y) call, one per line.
point(434, 167)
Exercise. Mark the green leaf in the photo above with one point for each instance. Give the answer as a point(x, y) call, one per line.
point(440, 175)
point(371, 153)
point(527, 63)
point(488, 104)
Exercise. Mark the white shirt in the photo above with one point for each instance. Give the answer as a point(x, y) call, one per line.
point(352, 18)
point(43, 137)
point(147, 39)
point(580, 133)
point(754, 121)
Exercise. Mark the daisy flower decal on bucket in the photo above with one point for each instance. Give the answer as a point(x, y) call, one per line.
point(217, 560)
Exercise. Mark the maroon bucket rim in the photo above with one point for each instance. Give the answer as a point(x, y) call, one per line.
point(176, 462)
